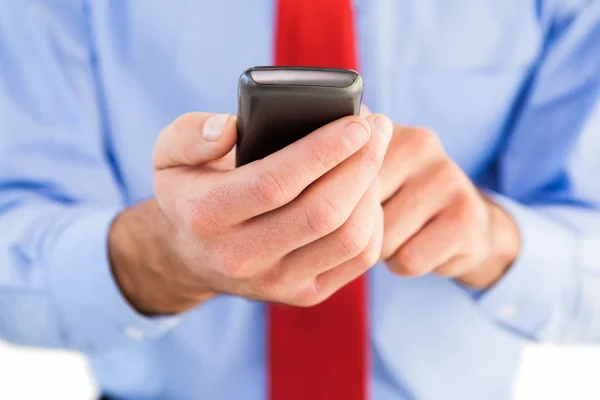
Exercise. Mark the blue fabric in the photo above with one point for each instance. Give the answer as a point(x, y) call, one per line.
point(511, 88)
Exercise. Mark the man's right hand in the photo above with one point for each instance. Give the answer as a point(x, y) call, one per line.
point(291, 228)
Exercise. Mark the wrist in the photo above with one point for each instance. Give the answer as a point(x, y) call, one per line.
point(505, 235)
point(505, 243)
point(146, 266)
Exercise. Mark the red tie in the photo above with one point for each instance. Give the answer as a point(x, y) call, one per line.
point(318, 352)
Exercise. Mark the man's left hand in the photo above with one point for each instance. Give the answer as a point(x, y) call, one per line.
point(436, 220)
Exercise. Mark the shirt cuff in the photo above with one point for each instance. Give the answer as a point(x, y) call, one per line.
point(526, 297)
point(94, 313)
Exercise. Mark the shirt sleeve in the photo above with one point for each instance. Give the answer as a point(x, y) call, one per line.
point(547, 178)
point(59, 188)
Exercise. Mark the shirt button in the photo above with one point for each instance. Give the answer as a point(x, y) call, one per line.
point(507, 312)
point(134, 333)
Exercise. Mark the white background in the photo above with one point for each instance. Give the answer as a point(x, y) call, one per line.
point(547, 373)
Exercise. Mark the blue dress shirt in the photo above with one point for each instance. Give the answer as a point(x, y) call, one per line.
point(511, 87)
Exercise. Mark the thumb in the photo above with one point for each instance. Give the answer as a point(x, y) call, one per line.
point(194, 139)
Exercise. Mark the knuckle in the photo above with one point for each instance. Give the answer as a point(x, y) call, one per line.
point(426, 140)
point(451, 270)
point(160, 155)
point(200, 219)
point(323, 216)
point(387, 248)
point(409, 263)
point(170, 144)
point(373, 253)
point(481, 213)
point(236, 270)
point(234, 266)
point(446, 174)
point(368, 258)
point(308, 296)
point(184, 122)
point(272, 287)
point(352, 240)
point(466, 211)
point(268, 189)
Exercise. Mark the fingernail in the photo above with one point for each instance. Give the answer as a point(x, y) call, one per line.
point(214, 126)
point(383, 126)
point(357, 134)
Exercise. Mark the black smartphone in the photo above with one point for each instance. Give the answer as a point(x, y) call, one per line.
point(279, 105)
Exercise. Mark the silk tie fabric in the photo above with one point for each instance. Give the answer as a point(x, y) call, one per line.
point(318, 352)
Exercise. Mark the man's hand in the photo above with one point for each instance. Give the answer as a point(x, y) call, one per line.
point(435, 218)
point(291, 228)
